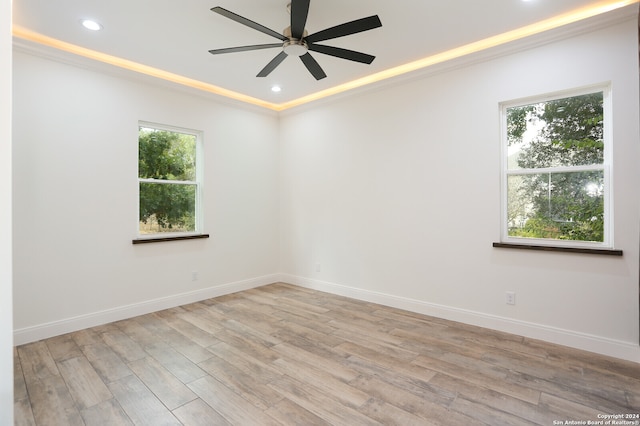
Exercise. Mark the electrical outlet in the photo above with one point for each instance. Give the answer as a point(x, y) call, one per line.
point(194, 276)
point(318, 267)
point(511, 298)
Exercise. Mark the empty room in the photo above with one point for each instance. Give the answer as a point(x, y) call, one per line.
point(304, 213)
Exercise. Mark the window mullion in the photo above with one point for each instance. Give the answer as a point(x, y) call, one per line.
point(168, 182)
point(561, 169)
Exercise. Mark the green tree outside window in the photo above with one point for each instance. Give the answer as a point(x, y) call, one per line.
point(555, 169)
point(167, 179)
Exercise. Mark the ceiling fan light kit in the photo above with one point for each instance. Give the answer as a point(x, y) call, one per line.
point(295, 47)
point(296, 41)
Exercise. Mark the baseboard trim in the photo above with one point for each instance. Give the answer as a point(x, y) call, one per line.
point(577, 340)
point(583, 341)
point(68, 325)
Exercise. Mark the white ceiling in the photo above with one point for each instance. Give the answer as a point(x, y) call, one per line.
point(175, 35)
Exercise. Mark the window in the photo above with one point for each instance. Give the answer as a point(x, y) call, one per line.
point(556, 188)
point(169, 181)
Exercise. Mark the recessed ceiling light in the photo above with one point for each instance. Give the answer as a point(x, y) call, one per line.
point(276, 89)
point(91, 25)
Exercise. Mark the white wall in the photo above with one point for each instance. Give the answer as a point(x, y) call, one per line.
point(6, 309)
point(393, 193)
point(396, 194)
point(75, 199)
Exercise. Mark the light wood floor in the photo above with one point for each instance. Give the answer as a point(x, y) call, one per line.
point(287, 355)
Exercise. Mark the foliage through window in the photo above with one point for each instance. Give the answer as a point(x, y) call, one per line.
point(556, 184)
point(168, 180)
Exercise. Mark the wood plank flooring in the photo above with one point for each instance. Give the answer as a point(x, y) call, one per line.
point(284, 355)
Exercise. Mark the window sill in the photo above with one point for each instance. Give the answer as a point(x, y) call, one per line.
point(583, 250)
point(165, 239)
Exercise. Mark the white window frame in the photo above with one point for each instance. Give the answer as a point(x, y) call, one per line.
point(199, 223)
point(606, 167)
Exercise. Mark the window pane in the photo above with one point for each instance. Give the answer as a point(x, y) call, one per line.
point(167, 208)
point(166, 155)
point(561, 132)
point(563, 206)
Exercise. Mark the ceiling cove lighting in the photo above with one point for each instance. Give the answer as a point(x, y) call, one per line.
point(29, 35)
point(467, 49)
point(478, 46)
point(90, 24)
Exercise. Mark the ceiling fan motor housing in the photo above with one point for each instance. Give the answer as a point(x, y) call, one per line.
point(293, 46)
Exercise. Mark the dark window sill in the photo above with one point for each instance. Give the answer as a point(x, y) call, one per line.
point(606, 252)
point(165, 239)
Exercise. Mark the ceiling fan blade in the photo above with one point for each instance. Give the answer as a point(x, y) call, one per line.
point(346, 29)
point(313, 66)
point(249, 23)
point(338, 52)
point(272, 65)
point(244, 48)
point(299, 12)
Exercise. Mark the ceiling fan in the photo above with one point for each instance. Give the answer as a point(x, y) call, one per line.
point(295, 40)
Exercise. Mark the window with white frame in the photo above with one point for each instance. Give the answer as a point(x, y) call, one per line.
point(556, 169)
point(169, 180)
